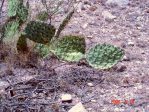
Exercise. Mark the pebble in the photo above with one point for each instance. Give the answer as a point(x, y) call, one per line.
point(117, 2)
point(89, 109)
point(92, 8)
point(90, 84)
point(130, 43)
point(84, 25)
point(126, 58)
point(108, 16)
point(66, 97)
point(94, 101)
point(3, 84)
point(78, 108)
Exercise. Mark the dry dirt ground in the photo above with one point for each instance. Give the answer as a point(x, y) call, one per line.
point(38, 88)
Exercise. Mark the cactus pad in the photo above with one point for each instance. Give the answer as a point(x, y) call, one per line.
point(104, 56)
point(39, 32)
point(42, 49)
point(11, 28)
point(13, 6)
point(22, 13)
point(69, 48)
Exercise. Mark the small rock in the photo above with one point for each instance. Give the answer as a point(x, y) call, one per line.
point(66, 98)
point(126, 58)
point(80, 7)
point(78, 108)
point(94, 101)
point(89, 109)
point(130, 43)
point(3, 84)
point(108, 16)
point(85, 25)
point(90, 84)
point(92, 8)
point(117, 2)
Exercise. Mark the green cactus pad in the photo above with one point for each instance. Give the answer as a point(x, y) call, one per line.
point(13, 6)
point(39, 32)
point(22, 13)
point(43, 16)
point(11, 28)
point(42, 49)
point(104, 56)
point(69, 48)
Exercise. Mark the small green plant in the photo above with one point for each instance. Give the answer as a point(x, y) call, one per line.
point(69, 48)
point(104, 56)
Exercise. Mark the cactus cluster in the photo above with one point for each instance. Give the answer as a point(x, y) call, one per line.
point(104, 56)
point(69, 48)
point(39, 32)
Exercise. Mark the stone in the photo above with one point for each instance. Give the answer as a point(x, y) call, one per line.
point(89, 109)
point(80, 7)
point(108, 16)
point(90, 84)
point(3, 84)
point(126, 58)
point(94, 101)
point(78, 108)
point(130, 43)
point(92, 8)
point(66, 98)
point(117, 2)
point(84, 25)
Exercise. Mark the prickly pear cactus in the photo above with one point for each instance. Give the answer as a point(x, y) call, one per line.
point(42, 49)
point(17, 9)
point(22, 13)
point(69, 48)
point(104, 56)
point(22, 44)
point(11, 28)
point(42, 16)
point(13, 7)
point(39, 32)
